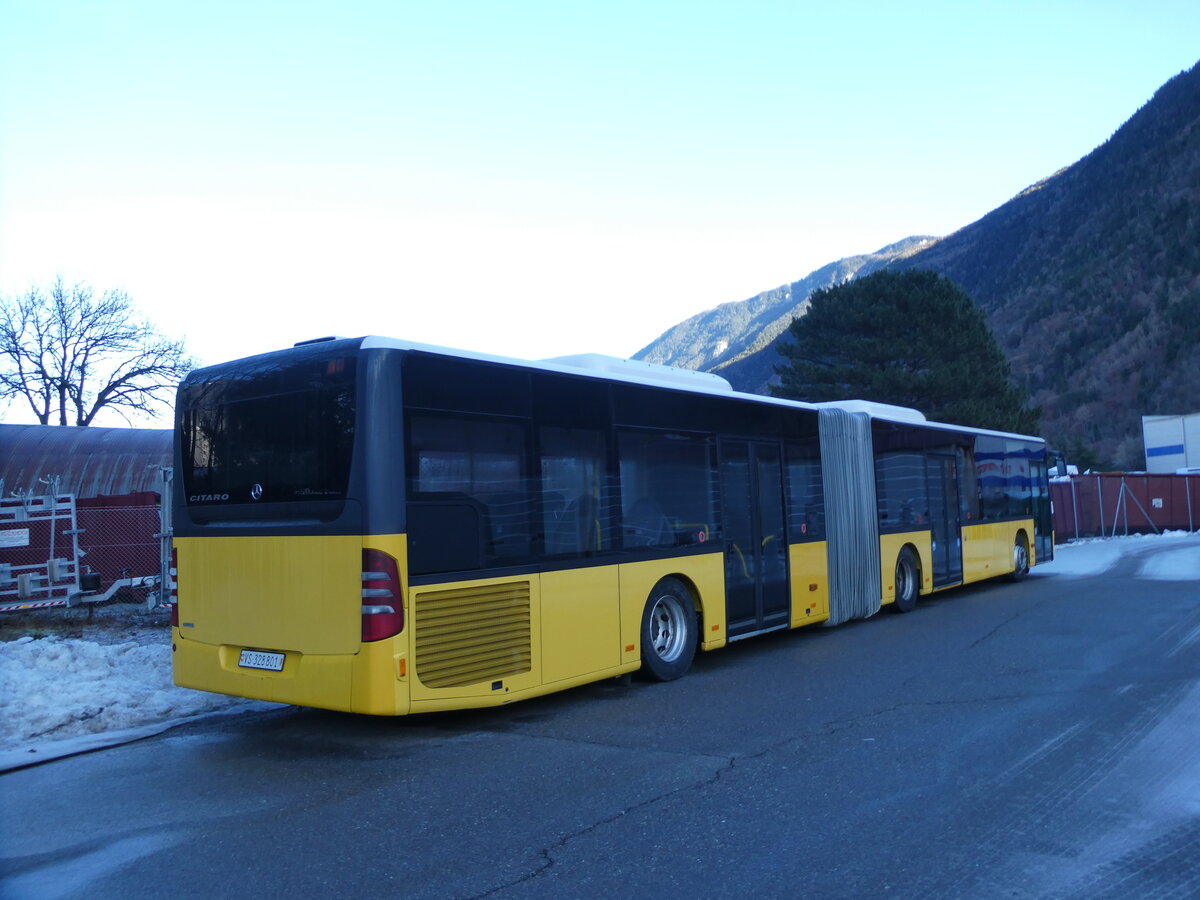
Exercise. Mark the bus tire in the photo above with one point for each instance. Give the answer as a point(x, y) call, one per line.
point(669, 631)
point(908, 582)
point(1020, 558)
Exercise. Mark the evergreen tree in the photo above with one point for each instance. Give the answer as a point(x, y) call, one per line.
point(910, 338)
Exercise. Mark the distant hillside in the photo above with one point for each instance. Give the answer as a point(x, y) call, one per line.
point(729, 332)
point(1091, 279)
point(1091, 282)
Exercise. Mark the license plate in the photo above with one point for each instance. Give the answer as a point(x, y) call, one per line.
point(257, 659)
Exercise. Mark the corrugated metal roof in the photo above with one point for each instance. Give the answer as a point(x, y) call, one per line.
point(89, 461)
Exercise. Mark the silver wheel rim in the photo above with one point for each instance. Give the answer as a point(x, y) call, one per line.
point(1020, 557)
point(668, 628)
point(903, 581)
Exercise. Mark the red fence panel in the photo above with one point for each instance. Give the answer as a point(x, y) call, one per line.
point(1117, 503)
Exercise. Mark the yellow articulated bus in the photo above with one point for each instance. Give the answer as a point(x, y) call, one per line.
point(384, 527)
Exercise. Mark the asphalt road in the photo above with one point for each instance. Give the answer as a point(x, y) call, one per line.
point(1006, 740)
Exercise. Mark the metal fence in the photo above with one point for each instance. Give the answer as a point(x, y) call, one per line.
point(1111, 504)
point(59, 551)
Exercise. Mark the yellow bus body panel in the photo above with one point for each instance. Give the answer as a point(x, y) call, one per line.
point(481, 642)
point(890, 546)
point(988, 548)
point(476, 643)
point(491, 641)
point(364, 682)
point(581, 622)
point(301, 594)
point(705, 574)
point(809, 567)
point(475, 640)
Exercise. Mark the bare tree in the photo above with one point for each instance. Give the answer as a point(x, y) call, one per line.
point(71, 353)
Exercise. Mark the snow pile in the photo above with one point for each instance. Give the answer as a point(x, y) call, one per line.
point(64, 695)
point(1175, 565)
point(1162, 562)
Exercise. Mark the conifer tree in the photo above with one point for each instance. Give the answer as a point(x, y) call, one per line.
point(911, 338)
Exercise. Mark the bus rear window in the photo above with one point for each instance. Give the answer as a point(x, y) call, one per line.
point(281, 434)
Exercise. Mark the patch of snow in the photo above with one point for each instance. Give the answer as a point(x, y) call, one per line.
point(1174, 565)
point(67, 695)
point(1081, 558)
point(1095, 556)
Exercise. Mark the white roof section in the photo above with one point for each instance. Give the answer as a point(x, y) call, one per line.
point(637, 368)
point(886, 412)
point(633, 371)
point(877, 410)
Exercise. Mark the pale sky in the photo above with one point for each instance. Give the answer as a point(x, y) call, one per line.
point(527, 178)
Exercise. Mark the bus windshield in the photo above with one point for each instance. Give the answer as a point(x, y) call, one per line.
point(272, 434)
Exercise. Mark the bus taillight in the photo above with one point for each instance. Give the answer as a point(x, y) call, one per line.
point(382, 613)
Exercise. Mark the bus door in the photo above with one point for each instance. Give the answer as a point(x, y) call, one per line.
point(756, 578)
point(1043, 512)
point(941, 481)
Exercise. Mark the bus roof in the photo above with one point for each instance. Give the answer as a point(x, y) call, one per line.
point(595, 365)
point(636, 371)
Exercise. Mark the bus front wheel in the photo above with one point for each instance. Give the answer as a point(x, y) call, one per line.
point(908, 583)
point(669, 631)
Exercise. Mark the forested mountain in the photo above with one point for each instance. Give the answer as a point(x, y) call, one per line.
point(1090, 280)
point(731, 331)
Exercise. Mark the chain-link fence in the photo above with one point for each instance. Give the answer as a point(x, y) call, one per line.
point(59, 551)
point(1111, 504)
point(121, 544)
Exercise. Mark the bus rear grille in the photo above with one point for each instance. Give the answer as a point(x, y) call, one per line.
point(473, 634)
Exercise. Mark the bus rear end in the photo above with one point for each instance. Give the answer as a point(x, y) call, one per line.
point(289, 585)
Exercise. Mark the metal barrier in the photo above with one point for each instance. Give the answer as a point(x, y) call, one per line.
point(1108, 504)
point(57, 551)
point(39, 551)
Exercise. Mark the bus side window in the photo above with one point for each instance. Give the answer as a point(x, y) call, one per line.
point(991, 465)
point(572, 467)
point(968, 487)
point(467, 473)
point(667, 490)
point(901, 492)
point(806, 494)
point(1017, 455)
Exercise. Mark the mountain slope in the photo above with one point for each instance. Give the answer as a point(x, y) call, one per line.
point(1090, 279)
point(719, 336)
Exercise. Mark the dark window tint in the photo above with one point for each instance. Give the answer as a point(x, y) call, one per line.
point(574, 498)
point(667, 494)
point(469, 494)
point(278, 433)
point(968, 487)
point(900, 488)
point(805, 492)
point(990, 464)
point(1020, 485)
point(446, 383)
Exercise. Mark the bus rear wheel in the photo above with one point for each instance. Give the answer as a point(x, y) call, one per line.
point(669, 631)
point(908, 583)
point(1020, 558)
